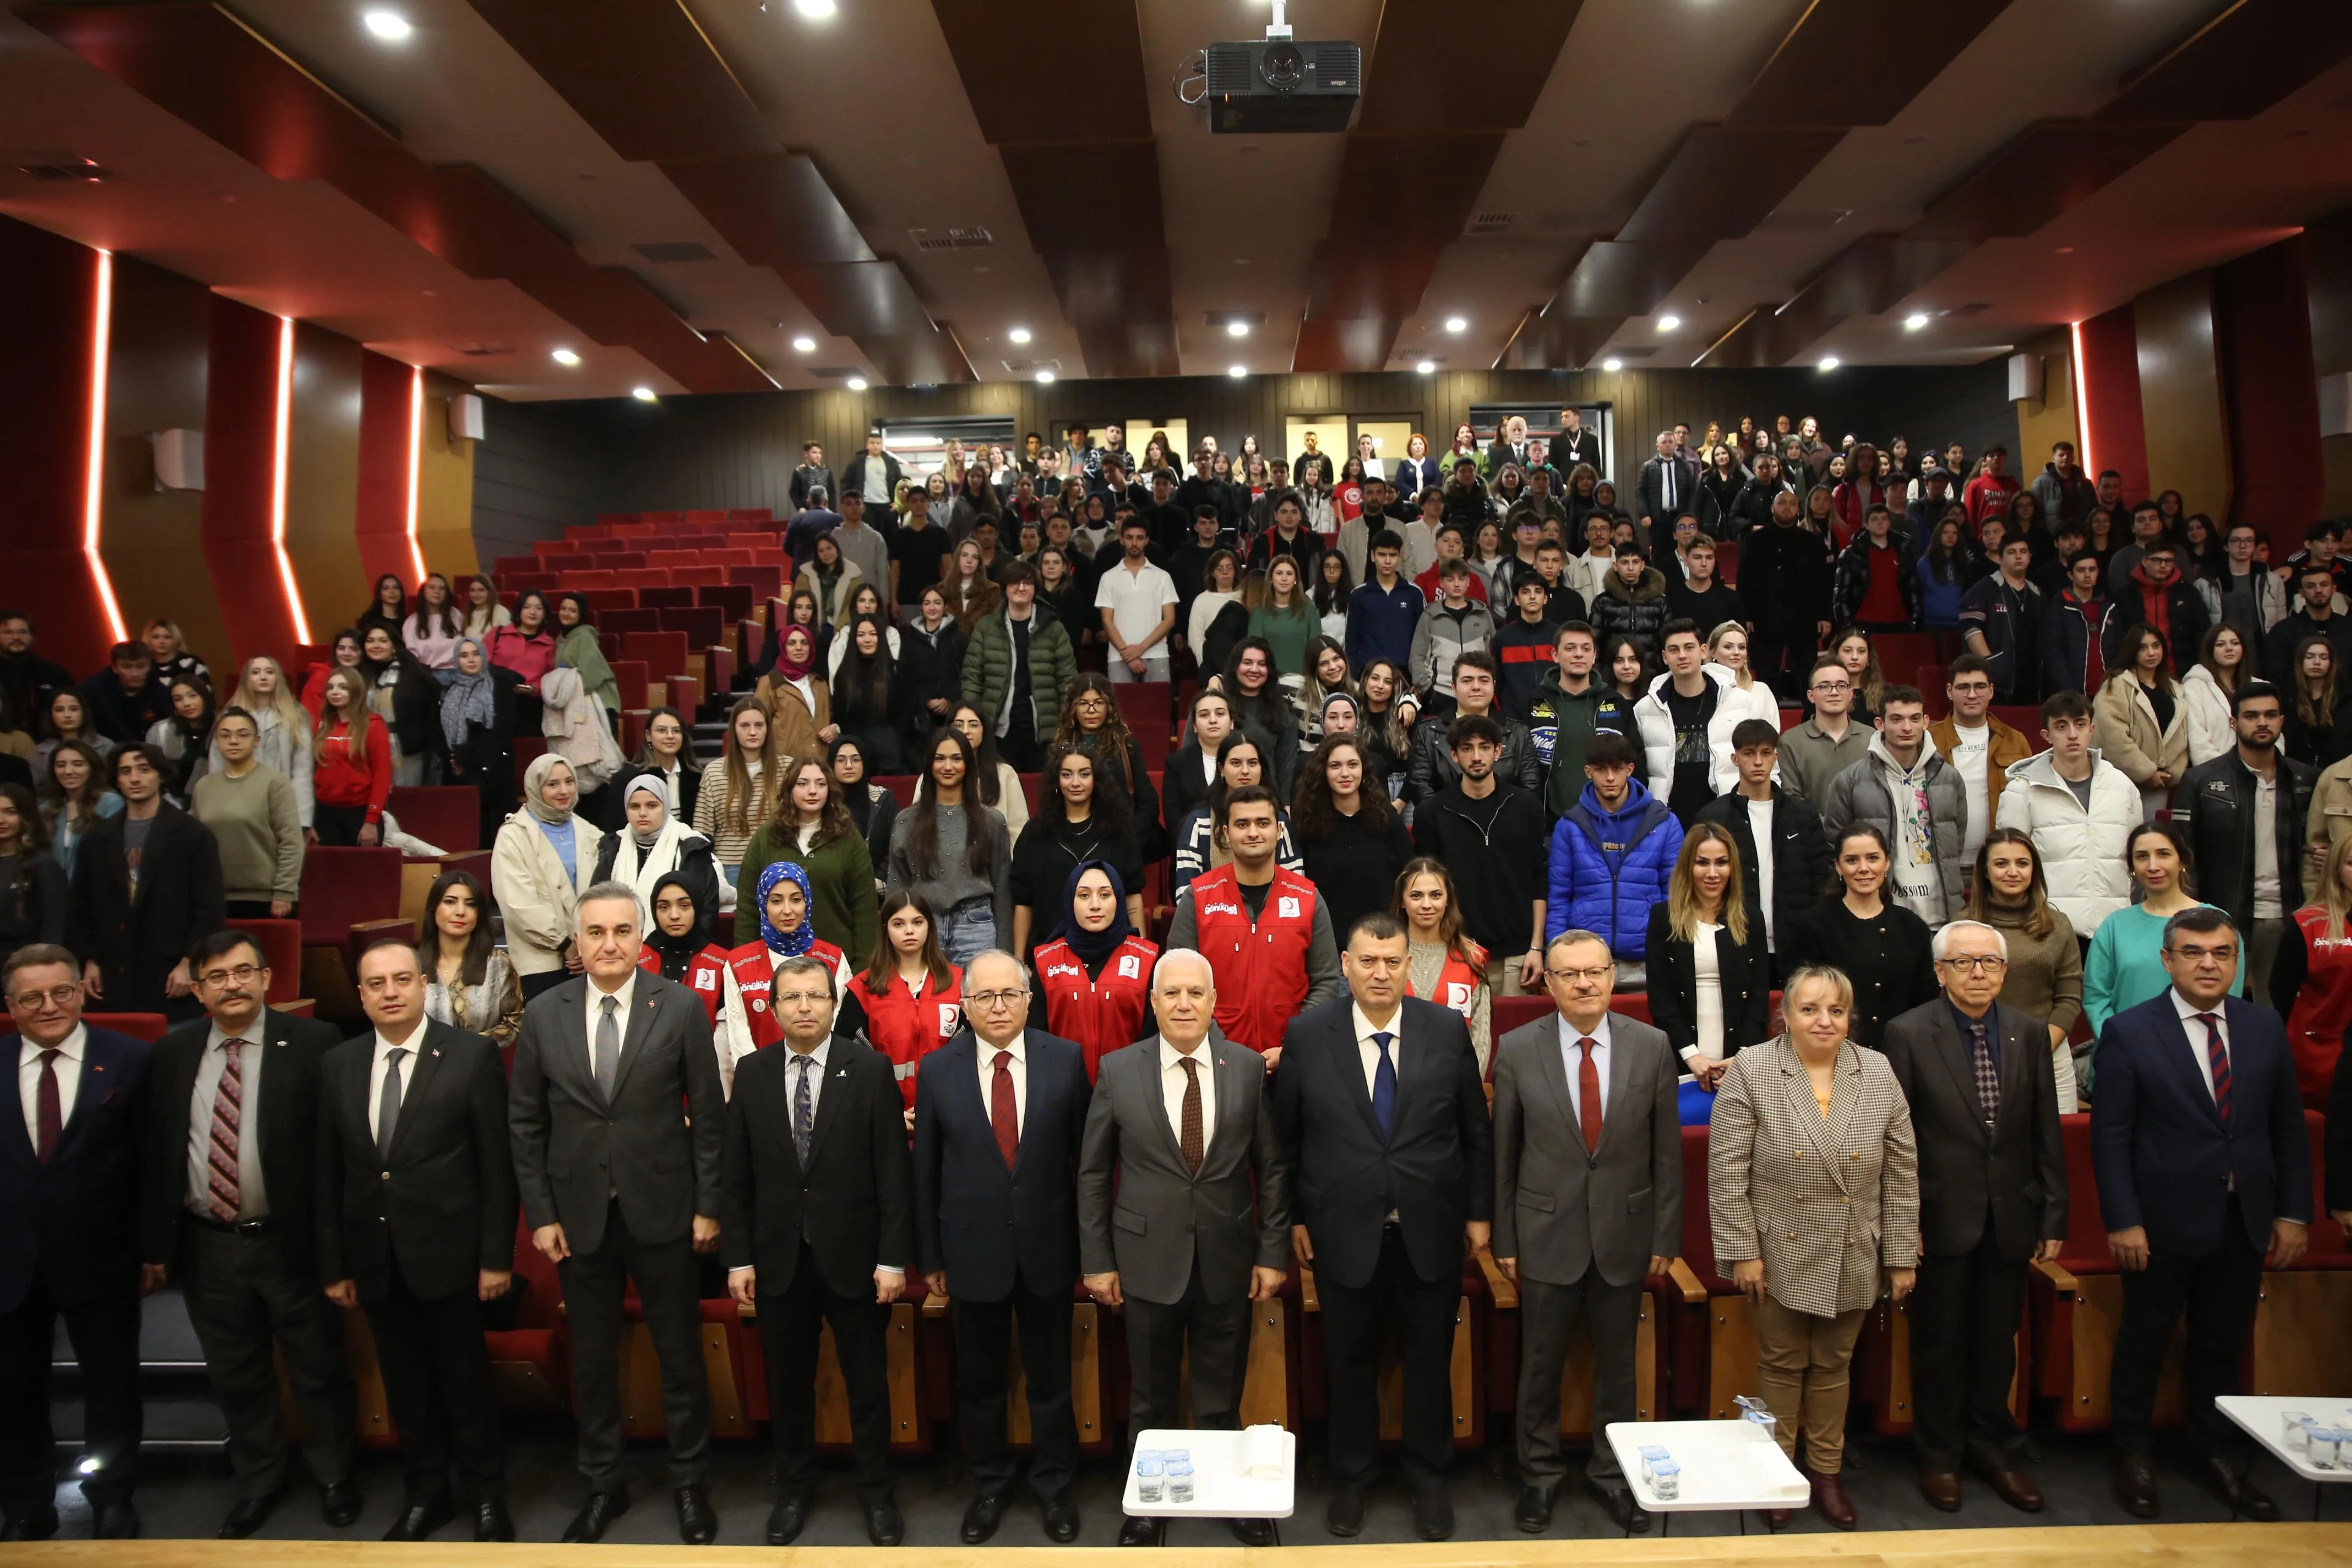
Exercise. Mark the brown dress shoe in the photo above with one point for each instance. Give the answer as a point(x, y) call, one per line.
point(2014, 1488)
point(1830, 1498)
point(1775, 1517)
point(1941, 1487)
point(2135, 1486)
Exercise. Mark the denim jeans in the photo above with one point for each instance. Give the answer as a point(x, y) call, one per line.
point(968, 931)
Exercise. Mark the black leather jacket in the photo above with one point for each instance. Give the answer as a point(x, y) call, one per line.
point(2215, 805)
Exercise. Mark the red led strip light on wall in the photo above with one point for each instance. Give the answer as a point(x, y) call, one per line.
point(2082, 403)
point(101, 332)
point(278, 477)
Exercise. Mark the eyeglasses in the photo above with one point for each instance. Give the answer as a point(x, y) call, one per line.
point(1975, 964)
point(989, 1001)
point(1831, 685)
point(1570, 977)
point(2226, 954)
point(243, 974)
point(56, 997)
point(798, 998)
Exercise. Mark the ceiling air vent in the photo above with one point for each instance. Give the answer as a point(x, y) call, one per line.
point(1975, 308)
point(55, 163)
point(676, 250)
point(1797, 220)
point(970, 237)
point(483, 351)
point(1491, 223)
point(1032, 367)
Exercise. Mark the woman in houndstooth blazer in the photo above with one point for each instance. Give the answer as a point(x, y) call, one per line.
point(1813, 1188)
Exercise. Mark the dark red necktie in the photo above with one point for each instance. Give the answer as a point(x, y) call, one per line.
point(2216, 1056)
point(46, 1115)
point(1587, 1096)
point(1002, 1115)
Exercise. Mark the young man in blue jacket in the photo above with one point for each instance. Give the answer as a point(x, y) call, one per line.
point(1612, 855)
point(1384, 609)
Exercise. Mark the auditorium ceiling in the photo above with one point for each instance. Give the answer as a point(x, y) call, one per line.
point(703, 196)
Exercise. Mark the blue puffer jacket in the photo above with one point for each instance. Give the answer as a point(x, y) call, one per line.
point(1608, 868)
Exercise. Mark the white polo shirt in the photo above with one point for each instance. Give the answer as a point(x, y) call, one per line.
point(1135, 600)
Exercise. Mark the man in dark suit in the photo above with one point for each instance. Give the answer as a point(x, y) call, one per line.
point(416, 1225)
point(2198, 1144)
point(1992, 1195)
point(1383, 1119)
point(229, 1208)
point(68, 1246)
point(1182, 1131)
point(619, 1189)
point(815, 1222)
point(1667, 488)
point(147, 887)
point(1587, 1205)
point(999, 1113)
point(1575, 444)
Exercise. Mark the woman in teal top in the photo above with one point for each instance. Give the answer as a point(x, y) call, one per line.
point(2126, 964)
point(578, 649)
point(1286, 617)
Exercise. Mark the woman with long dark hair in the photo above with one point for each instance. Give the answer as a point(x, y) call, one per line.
point(469, 982)
point(1442, 964)
point(1876, 942)
point(74, 797)
point(1092, 722)
point(2124, 965)
point(32, 884)
point(1253, 684)
point(388, 607)
point(2208, 688)
point(2140, 720)
point(2043, 973)
point(1094, 968)
point(355, 774)
point(431, 634)
point(872, 808)
point(669, 749)
point(186, 739)
point(993, 782)
point(865, 696)
point(2318, 729)
point(403, 695)
point(1081, 816)
point(1384, 722)
point(1241, 759)
point(911, 996)
point(956, 853)
point(527, 647)
point(1352, 843)
point(813, 830)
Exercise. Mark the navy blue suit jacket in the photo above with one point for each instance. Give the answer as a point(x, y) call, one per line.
point(995, 1229)
point(74, 1223)
point(2162, 1154)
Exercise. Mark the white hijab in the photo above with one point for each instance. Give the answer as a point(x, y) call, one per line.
point(642, 868)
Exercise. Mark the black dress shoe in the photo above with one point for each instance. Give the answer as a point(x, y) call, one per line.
point(698, 1522)
point(981, 1518)
point(1061, 1516)
point(492, 1520)
point(339, 1502)
point(1138, 1531)
point(1345, 1514)
point(2226, 1478)
point(1630, 1516)
point(1433, 1514)
point(1254, 1531)
point(596, 1516)
point(418, 1520)
point(785, 1520)
point(883, 1525)
point(37, 1523)
point(1533, 1513)
point(2135, 1486)
point(115, 1521)
point(246, 1515)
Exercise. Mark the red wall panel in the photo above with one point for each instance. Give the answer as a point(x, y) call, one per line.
point(385, 405)
point(2109, 391)
point(240, 480)
point(2271, 387)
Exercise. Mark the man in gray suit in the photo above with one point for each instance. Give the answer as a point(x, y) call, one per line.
point(1182, 1127)
point(618, 1187)
point(1587, 1203)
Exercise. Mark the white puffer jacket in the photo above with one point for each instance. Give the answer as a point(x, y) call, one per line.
point(2207, 709)
point(2081, 851)
point(1656, 726)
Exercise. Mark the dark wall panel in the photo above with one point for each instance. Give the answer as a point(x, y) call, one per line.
point(535, 469)
point(2269, 387)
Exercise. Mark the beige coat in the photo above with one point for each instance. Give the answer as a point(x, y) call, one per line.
point(535, 891)
point(792, 720)
point(1825, 1202)
point(2331, 806)
point(2128, 735)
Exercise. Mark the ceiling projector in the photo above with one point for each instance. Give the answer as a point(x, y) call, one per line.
point(1279, 86)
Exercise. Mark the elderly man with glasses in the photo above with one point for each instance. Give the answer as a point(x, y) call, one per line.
point(1992, 1196)
point(1000, 1115)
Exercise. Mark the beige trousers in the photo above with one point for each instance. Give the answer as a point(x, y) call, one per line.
point(1803, 1363)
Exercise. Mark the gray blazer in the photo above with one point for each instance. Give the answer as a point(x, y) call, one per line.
point(1558, 1209)
point(1163, 1215)
point(656, 1144)
point(1825, 1202)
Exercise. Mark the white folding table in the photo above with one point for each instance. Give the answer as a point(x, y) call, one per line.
point(1726, 1466)
point(1218, 1493)
point(2263, 1417)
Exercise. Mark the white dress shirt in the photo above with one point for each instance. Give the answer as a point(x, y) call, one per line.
point(595, 1004)
point(2192, 1025)
point(1019, 1047)
point(1369, 1052)
point(382, 1063)
point(1706, 971)
point(70, 1051)
point(252, 1192)
point(815, 1071)
point(1571, 1056)
point(1172, 1084)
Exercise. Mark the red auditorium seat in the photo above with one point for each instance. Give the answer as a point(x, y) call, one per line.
point(673, 559)
point(607, 519)
point(725, 557)
point(531, 1363)
point(349, 895)
point(544, 547)
point(643, 580)
point(900, 785)
point(623, 560)
point(665, 598)
point(1931, 679)
point(732, 601)
point(633, 730)
point(702, 626)
point(2024, 719)
point(508, 564)
point(281, 947)
point(663, 653)
point(1509, 1013)
point(588, 581)
point(1146, 705)
point(147, 1027)
point(2075, 1304)
point(1904, 650)
point(750, 542)
point(645, 527)
point(630, 674)
point(707, 516)
point(749, 514)
point(663, 520)
point(697, 576)
point(764, 580)
point(615, 623)
point(448, 816)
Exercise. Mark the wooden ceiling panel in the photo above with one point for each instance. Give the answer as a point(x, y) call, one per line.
point(1693, 199)
point(1065, 213)
point(640, 72)
point(1112, 288)
point(774, 208)
point(1860, 62)
point(1431, 74)
point(1085, 56)
point(1447, 169)
point(860, 299)
point(1557, 341)
point(1144, 348)
point(1877, 272)
point(1337, 344)
point(1352, 278)
point(1618, 278)
point(2040, 173)
point(928, 357)
point(2250, 57)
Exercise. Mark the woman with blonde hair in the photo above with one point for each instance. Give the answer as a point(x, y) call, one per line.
point(1728, 646)
point(483, 612)
point(285, 743)
point(2044, 976)
point(1813, 1090)
point(1710, 970)
point(2311, 980)
point(2139, 720)
point(545, 853)
point(167, 650)
point(1442, 964)
point(738, 792)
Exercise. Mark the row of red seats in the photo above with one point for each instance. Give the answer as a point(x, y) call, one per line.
point(624, 524)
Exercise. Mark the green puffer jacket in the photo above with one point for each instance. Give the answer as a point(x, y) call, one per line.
point(988, 667)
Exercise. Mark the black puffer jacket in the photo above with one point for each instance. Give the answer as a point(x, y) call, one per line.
point(1854, 577)
point(1637, 612)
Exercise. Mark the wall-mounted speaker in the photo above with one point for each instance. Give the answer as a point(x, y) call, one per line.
point(2335, 405)
point(179, 459)
point(2025, 378)
point(465, 417)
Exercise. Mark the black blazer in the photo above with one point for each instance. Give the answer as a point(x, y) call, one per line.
point(1744, 969)
point(1437, 1166)
point(854, 1204)
point(73, 1225)
point(655, 1143)
point(444, 1208)
point(996, 1230)
point(1582, 445)
point(135, 941)
point(288, 1133)
point(2017, 1174)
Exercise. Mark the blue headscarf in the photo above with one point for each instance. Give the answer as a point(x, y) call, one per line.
point(795, 944)
point(1094, 948)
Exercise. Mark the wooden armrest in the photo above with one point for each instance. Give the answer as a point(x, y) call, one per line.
point(1685, 1281)
point(935, 1306)
point(2057, 1274)
point(748, 1311)
point(1307, 1300)
point(1499, 1287)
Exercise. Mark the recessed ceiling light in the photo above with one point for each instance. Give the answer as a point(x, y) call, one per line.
point(2065, 250)
point(642, 393)
point(1914, 321)
point(1019, 334)
point(388, 25)
point(1427, 367)
point(1045, 378)
point(805, 345)
point(1456, 324)
point(1613, 365)
point(1668, 323)
point(1238, 371)
point(815, 10)
point(856, 383)
point(1236, 329)
point(1830, 363)
point(565, 356)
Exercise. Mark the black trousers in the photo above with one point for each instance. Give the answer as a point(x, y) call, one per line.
point(1548, 1314)
point(1964, 1314)
point(338, 824)
point(983, 1339)
point(537, 985)
point(594, 1287)
point(1353, 1316)
point(1020, 746)
point(249, 1309)
point(1776, 649)
point(2219, 1292)
point(251, 910)
point(790, 1323)
point(436, 1378)
point(1159, 1333)
point(105, 1335)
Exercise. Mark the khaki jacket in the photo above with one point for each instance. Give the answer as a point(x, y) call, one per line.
point(2124, 725)
point(2331, 806)
point(2008, 746)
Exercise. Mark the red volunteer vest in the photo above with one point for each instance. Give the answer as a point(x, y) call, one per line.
point(1260, 967)
point(907, 1028)
point(755, 976)
point(1101, 1014)
point(2314, 1029)
point(703, 974)
point(1458, 983)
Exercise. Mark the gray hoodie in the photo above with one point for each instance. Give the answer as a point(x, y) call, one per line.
point(1442, 637)
point(1867, 793)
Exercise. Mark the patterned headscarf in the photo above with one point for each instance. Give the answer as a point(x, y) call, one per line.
point(786, 944)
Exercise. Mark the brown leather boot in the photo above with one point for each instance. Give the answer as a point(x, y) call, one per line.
point(1830, 1498)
